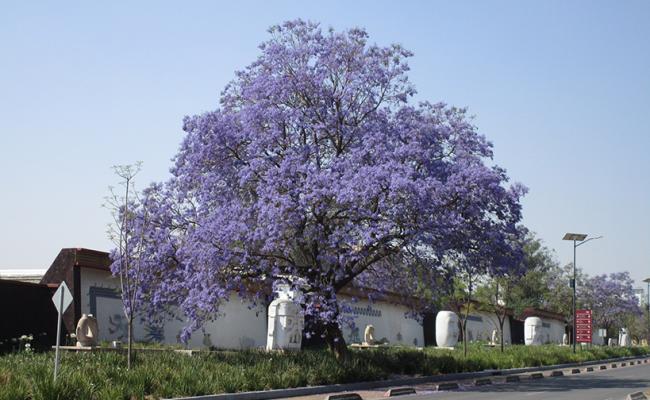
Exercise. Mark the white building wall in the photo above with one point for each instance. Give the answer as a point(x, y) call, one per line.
point(554, 330)
point(237, 326)
point(597, 340)
point(481, 324)
point(391, 321)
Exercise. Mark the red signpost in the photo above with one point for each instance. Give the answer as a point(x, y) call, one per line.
point(583, 326)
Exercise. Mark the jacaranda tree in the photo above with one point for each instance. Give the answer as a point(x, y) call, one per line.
point(611, 298)
point(315, 170)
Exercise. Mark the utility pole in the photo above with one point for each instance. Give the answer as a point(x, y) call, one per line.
point(647, 307)
point(578, 240)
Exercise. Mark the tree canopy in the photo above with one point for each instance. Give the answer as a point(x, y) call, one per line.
point(612, 299)
point(315, 170)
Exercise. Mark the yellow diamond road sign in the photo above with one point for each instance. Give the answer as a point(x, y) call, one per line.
point(62, 304)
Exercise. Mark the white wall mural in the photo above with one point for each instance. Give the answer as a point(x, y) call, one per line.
point(391, 321)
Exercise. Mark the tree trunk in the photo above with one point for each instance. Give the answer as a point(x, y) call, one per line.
point(464, 325)
point(468, 305)
point(129, 351)
point(501, 323)
point(501, 316)
point(336, 342)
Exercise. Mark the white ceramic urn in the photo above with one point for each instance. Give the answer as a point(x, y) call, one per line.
point(447, 329)
point(87, 331)
point(533, 331)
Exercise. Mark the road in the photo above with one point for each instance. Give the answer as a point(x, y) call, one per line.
point(610, 384)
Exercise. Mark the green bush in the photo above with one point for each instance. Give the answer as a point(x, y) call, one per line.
point(103, 375)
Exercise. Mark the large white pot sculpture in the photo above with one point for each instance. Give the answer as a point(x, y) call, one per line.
point(87, 331)
point(533, 331)
point(446, 329)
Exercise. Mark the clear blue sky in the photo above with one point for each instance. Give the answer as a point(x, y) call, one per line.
point(562, 88)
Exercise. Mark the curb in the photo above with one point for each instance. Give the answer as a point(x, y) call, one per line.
point(344, 396)
point(482, 382)
point(447, 386)
point(404, 391)
point(445, 382)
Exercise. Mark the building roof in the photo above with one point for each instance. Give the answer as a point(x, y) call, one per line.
point(21, 271)
point(534, 312)
point(32, 275)
point(65, 267)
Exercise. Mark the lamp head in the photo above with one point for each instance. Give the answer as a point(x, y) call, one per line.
point(578, 237)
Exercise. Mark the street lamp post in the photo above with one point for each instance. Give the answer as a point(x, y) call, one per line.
point(647, 306)
point(578, 239)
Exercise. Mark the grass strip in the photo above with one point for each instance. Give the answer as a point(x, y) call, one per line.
point(164, 374)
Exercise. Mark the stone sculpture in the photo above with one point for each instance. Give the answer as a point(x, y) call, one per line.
point(533, 335)
point(87, 331)
point(285, 322)
point(624, 338)
point(495, 338)
point(565, 340)
point(447, 329)
point(369, 337)
point(207, 341)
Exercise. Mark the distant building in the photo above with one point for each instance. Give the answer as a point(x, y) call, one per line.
point(30, 275)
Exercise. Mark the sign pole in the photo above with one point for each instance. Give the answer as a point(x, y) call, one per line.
point(61, 299)
point(58, 336)
point(575, 325)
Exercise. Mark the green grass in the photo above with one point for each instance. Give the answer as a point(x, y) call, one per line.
point(167, 374)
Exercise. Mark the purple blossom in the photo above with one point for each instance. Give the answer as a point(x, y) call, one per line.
point(317, 171)
point(611, 298)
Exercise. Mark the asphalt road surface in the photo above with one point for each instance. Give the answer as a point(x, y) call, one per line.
point(610, 384)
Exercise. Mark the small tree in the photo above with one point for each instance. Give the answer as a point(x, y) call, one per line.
point(496, 296)
point(486, 247)
point(461, 299)
point(493, 287)
point(518, 287)
point(559, 298)
point(128, 234)
point(612, 299)
point(540, 266)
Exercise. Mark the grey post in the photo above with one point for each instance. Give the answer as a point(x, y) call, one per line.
point(575, 336)
point(58, 336)
point(647, 306)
